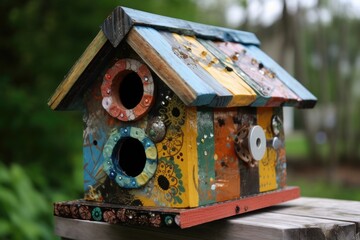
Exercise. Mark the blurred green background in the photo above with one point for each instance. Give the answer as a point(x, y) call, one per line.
point(41, 150)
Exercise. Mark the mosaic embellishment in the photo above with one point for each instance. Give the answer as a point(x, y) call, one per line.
point(114, 214)
point(111, 164)
point(121, 79)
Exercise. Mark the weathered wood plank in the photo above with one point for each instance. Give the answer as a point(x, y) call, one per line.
point(130, 17)
point(223, 96)
point(340, 210)
point(79, 67)
point(243, 95)
point(266, 226)
point(205, 152)
point(267, 165)
point(226, 162)
point(158, 54)
point(308, 100)
point(265, 82)
point(263, 224)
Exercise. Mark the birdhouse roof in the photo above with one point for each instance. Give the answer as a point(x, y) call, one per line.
point(204, 65)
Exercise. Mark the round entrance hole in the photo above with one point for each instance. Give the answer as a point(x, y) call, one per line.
point(131, 90)
point(129, 156)
point(163, 182)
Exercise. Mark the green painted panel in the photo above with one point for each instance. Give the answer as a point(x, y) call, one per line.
point(206, 162)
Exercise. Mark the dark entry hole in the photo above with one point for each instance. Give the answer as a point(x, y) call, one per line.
point(131, 90)
point(175, 112)
point(163, 182)
point(129, 156)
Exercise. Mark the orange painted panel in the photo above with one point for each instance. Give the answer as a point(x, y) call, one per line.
point(227, 180)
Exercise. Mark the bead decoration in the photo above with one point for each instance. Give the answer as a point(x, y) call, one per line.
point(113, 169)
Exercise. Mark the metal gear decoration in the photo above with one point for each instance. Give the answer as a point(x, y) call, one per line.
point(250, 144)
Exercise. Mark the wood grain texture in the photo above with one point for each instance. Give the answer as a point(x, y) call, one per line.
point(223, 96)
point(192, 154)
point(272, 91)
point(140, 18)
point(268, 224)
point(267, 165)
point(117, 25)
point(340, 210)
point(226, 162)
point(308, 100)
point(205, 152)
point(79, 67)
point(159, 56)
point(243, 95)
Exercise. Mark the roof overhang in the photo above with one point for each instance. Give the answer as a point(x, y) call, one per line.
point(223, 82)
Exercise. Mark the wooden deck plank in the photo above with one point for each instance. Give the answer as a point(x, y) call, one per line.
point(340, 210)
point(268, 224)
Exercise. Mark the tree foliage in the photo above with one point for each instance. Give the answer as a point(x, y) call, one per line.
point(41, 150)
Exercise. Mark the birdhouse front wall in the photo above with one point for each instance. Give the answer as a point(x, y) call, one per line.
point(157, 151)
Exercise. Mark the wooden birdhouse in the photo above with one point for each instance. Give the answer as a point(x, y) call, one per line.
point(183, 122)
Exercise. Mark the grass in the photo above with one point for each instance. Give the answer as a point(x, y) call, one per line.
point(296, 146)
point(320, 188)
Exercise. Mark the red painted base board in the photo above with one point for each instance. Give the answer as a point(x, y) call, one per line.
point(170, 217)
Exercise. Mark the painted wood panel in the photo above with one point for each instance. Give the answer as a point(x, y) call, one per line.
point(191, 156)
point(243, 95)
point(159, 56)
point(261, 99)
point(223, 96)
point(226, 162)
point(249, 176)
point(267, 165)
point(261, 78)
point(307, 99)
point(205, 152)
point(132, 17)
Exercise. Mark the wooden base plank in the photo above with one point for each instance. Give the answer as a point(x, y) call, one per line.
point(196, 216)
point(266, 224)
point(170, 217)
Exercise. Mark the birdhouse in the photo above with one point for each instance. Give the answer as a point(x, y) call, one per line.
point(183, 122)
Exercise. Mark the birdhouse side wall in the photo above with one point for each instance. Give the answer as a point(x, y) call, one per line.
point(222, 175)
point(172, 184)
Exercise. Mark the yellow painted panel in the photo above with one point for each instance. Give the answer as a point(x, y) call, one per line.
point(267, 165)
point(242, 93)
point(191, 156)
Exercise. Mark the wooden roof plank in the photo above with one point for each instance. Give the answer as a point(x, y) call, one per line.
point(188, 27)
point(243, 95)
point(261, 99)
point(307, 99)
point(265, 82)
point(158, 54)
point(77, 69)
point(223, 96)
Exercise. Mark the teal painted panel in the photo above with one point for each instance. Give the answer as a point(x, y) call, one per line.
point(206, 161)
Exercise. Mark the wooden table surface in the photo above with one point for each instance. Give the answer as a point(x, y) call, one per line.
point(303, 218)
